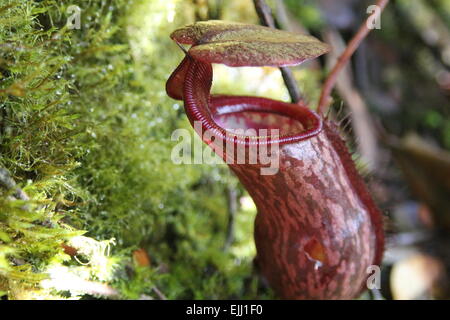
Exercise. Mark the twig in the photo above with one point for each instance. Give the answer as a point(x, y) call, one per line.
point(160, 295)
point(344, 58)
point(265, 16)
point(286, 21)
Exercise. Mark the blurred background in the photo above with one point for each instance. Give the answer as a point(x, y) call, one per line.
point(91, 205)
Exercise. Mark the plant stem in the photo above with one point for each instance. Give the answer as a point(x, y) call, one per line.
point(344, 58)
point(265, 16)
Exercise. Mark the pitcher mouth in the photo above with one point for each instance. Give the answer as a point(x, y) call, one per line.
point(225, 116)
point(258, 118)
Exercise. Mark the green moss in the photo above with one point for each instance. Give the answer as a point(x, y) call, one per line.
point(85, 132)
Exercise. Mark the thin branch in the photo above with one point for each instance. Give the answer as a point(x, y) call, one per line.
point(160, 295)
point(345, 57)
point(264, 13)
point(265, 16)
